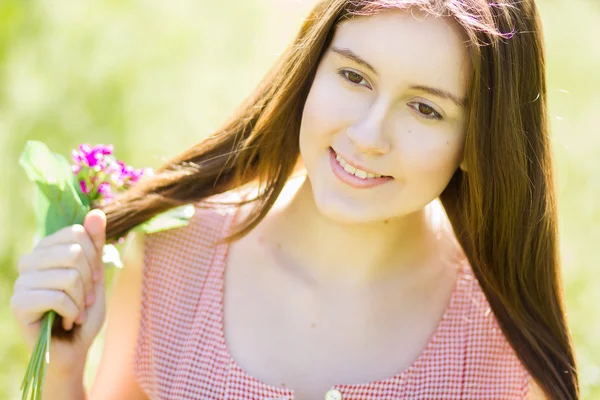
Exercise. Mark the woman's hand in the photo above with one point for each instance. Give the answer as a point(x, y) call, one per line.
point(64, 273)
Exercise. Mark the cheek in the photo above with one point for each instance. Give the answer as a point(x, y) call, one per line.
point(435, 155)
point(329, 107)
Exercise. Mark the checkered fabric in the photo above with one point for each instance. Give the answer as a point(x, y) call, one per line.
point(181, 351)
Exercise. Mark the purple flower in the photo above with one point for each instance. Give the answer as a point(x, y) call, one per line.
point(105, 190)
point(84, 187)
point(136, 175)
point(127, 174)
point(101, 175)
point(94, 157)
point(77, 157)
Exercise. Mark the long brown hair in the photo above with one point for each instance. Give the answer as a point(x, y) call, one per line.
point(503, 209)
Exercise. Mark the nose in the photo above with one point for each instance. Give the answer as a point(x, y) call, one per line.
point(368, 135)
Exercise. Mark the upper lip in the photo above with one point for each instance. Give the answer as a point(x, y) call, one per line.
point(356, 165)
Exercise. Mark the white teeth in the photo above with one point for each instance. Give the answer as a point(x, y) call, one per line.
point(350, 169)
point(361, 174)
point(357, 172)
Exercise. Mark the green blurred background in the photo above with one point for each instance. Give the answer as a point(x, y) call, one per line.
point(152, 77)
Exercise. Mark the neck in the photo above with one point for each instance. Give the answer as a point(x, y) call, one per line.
point(325, 252)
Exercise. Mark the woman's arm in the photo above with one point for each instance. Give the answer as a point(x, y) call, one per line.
point(115, 377)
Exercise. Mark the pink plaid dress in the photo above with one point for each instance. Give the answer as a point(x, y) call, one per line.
point(181, 351)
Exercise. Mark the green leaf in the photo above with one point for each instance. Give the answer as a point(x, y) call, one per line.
point(65, 166)
point(174, 218)
point(57, 201)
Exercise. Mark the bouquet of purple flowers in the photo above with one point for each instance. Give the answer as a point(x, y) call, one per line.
point(100, 174)
point(64, 194)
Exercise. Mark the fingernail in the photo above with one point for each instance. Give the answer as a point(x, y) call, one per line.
point(96, 275)
point(89, 299)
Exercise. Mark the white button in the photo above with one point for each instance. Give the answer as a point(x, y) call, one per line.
point(333, 394)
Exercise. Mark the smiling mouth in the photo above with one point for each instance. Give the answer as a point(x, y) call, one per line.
point(354, 170)
point(350, 175)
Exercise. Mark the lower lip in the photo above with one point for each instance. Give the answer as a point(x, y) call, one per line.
point(351, 179)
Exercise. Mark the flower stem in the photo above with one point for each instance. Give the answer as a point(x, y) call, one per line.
point(33, 382)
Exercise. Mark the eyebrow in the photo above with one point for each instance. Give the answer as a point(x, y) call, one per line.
point(443, 94)
point(347, 53)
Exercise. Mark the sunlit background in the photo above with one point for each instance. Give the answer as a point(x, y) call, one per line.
point(153, 77)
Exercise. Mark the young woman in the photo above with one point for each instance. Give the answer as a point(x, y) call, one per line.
point(377, 221)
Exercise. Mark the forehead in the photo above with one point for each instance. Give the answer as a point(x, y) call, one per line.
point(402, 44)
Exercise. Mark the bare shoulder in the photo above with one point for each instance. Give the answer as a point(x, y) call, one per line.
point(134, 249)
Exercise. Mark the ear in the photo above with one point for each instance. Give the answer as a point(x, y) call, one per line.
point(463, 166)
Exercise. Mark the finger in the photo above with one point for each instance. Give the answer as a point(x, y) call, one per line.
point(67, 280)
point(95, 226)
point(30, 306)
point(69, 235)
point(59, 256)
point(63, 235)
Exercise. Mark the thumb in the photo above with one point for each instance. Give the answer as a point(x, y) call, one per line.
point(95, 225)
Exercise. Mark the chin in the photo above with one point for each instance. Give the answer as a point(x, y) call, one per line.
point(346, 210)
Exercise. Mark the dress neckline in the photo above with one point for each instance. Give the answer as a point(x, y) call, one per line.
point(451, 313)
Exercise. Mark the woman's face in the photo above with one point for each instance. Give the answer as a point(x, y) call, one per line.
point(388, 98)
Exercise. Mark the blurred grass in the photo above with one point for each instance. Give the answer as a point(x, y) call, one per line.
point(154, 77)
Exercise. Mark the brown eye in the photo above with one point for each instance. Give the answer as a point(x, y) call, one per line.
point(354, 78)
point(426, 111)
